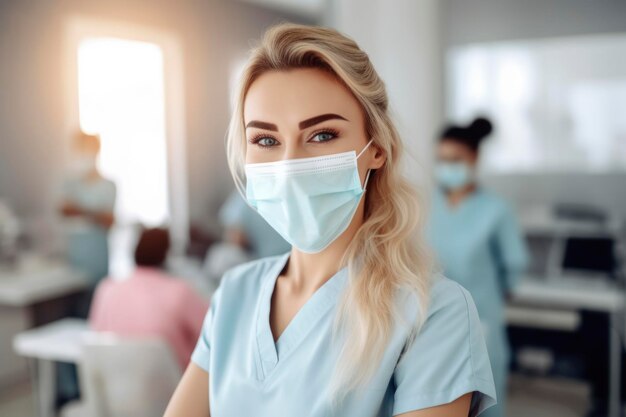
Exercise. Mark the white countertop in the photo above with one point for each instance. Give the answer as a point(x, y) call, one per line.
point(24, 286)
point(58, 341)
point(569, 292)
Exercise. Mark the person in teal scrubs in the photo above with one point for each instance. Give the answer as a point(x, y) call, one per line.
point(477, 240)
point(352, 321)
point(87, 206)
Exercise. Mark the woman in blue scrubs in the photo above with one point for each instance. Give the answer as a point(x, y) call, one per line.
point(87, 207)
point(351, 321)
point(477, 240)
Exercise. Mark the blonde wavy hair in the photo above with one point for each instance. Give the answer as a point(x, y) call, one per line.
point(387, 255)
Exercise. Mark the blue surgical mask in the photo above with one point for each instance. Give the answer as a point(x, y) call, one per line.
point(453, 175)
point(308, 201)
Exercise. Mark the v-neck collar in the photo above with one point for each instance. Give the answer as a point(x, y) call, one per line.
point(455, 209)
point(301, 324)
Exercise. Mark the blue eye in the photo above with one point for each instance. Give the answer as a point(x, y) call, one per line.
point(266, 141)
point(324, 136)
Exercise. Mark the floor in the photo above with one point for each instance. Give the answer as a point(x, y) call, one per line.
point(529, 397)
point(17, 401)
point(540, 397)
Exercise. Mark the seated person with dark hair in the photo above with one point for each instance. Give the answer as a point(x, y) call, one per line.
point(150, 302)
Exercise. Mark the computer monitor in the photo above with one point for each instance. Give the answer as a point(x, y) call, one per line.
point(595, 255)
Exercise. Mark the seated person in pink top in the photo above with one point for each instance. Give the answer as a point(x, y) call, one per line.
point(150, 302)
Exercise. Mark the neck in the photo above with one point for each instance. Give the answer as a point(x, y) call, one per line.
point(309, 271)
point(456, 197)
point(93, 175)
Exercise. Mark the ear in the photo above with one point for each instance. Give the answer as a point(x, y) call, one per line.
point(378, 157)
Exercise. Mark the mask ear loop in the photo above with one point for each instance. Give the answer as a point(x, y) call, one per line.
point(367, 176)
point(363, 150)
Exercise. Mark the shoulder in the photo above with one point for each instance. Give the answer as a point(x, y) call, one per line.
point(449, 307)
point(451, 324)
point(445, 294)
point(448, 300)
point(446, 304)
point(494, 202)
point(105, 288)
point(108, 185)
point(447, 357)
point(437, 197)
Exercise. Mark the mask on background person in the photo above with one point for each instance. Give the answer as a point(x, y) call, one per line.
point(453, 175)
point(309, 201)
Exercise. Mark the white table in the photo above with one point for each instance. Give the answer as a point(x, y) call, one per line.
point(570, 292)
point(58, 341)
point(574, 294)
point(22, 287)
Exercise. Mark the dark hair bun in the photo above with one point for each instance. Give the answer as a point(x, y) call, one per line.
point(480, 128)
point(471, 135)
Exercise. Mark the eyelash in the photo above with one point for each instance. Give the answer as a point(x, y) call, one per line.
point(334, 133)
point(256, 138)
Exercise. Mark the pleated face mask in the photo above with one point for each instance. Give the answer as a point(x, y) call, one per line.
point(308, 201)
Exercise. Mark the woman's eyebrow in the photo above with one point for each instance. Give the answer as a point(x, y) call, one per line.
point(262, 125)
point(303, 124)
point(319, 119)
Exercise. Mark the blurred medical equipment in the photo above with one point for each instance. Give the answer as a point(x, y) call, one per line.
point(571, 304)
point(575, 243)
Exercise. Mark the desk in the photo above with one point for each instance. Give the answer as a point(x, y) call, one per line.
point(25, 287)
point(578, 294)
point(31, 295)
point(575, 293)
point(58, 341)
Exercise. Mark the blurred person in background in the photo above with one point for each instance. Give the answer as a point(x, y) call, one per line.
point(247, 236)
point(88, 203)
point(477, 241)
point(245, 228)
point(150, 302)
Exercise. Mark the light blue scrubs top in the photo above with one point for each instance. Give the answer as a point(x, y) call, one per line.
point(263, 239)
point(251, 375)
point(87, 242)
point(479, 245)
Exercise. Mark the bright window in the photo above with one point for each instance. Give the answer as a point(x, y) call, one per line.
point(122, 97)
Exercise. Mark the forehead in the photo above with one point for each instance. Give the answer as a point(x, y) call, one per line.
point(454, 147)
point(289, 96)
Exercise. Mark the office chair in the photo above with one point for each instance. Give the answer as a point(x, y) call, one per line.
point(125, 377)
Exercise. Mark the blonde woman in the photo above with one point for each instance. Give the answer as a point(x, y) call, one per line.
point(352, 321)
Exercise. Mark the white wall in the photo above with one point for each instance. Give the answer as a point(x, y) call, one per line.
point(402, 40)
point(467, 21)
point(471, 21)
point(33, 136)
